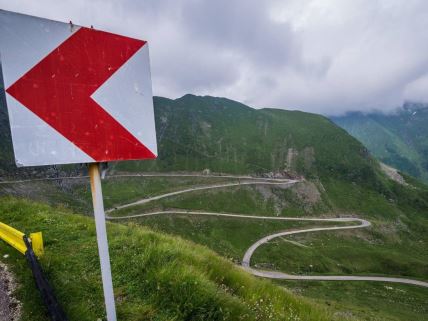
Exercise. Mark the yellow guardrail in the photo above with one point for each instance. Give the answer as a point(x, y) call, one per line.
point(15, 238)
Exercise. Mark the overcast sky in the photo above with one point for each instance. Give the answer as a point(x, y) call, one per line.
point(325, 56)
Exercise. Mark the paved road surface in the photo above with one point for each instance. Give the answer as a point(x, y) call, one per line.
point(284, 183)
point(280, 275)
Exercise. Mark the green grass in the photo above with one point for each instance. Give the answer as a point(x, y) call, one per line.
point(76, 193)
point(156, 277)
point(195, 133)
point(230, 237)
point(350, 252)
point(245, 199)
point(121, 190)
point(369, 301)
point(399, 222)
point(394, 245)
point(381, 249)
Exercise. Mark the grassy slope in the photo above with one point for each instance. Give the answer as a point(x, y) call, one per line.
point(195, 133)
point(205, 132)
point(380, 249)
point(368, 300)
point(156, 277)
point(395, 244)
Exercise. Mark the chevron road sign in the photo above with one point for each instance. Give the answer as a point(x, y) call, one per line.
point(75, 94)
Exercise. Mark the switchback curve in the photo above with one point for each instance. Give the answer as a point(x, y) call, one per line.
point(248, 254)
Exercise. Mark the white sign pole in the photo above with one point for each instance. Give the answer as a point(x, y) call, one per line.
point(100, 223)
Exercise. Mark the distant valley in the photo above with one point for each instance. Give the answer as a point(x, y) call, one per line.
point(399, 139)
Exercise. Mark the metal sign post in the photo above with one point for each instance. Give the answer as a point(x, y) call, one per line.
point(100, 224)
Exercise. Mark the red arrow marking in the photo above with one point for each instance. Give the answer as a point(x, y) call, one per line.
point(59, 87)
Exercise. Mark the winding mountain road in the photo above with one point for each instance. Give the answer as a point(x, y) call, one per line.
point(248, 254)
point(284, 182)
point(285, 276)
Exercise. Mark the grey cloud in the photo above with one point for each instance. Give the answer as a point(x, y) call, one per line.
point(241, 26)
point(321, 56)
point(189, 69)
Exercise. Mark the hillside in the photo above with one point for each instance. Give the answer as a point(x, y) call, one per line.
point(156, 277)
point(202, 136)
point(197, 133)
point(399, 139)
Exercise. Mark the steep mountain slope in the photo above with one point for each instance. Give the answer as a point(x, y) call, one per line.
point(399, 140)
point(196, 133)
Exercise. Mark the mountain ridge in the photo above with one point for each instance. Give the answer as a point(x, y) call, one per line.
point(193, 116)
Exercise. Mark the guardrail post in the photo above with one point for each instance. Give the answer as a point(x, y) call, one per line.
point(54, 309)
point(37, 243)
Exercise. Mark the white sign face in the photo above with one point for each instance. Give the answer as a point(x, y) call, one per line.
point(75, 94)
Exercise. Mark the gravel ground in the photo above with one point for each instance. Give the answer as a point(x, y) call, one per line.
point(10, 308)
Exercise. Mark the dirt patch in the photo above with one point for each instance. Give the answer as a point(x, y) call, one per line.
point(10, 307)
point(393, 174)
point(267, 192)
point(307, 192)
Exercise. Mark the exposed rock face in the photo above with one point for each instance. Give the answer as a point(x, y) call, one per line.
point(292, 155)
point(393, 174)
point(307, 193)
